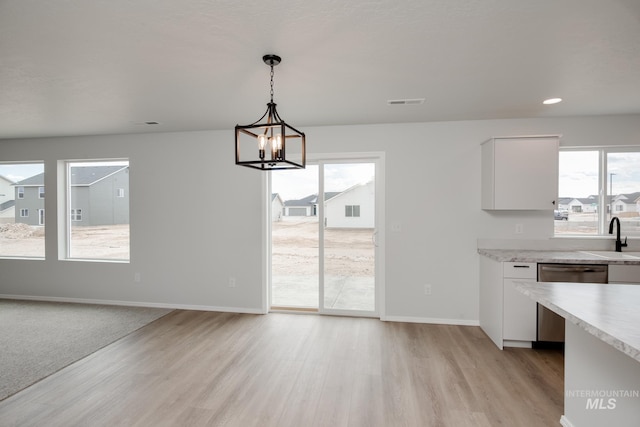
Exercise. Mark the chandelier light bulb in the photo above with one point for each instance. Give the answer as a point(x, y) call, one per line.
point(262, 141)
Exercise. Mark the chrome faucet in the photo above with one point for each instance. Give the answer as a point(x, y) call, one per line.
point(619, 244)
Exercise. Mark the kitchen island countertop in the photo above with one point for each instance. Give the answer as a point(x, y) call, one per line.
point(610, 312)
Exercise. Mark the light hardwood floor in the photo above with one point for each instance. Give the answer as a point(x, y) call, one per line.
point(221, 369)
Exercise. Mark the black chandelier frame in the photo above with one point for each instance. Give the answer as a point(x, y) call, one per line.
point(273, 131)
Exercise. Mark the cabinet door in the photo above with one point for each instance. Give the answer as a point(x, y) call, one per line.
point(519, 321)
point(624, 273)
point(525, 173)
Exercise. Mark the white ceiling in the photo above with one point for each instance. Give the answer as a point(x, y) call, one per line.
point(78, 67)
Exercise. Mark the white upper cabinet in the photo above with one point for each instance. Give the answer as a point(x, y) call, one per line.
point(520, 173)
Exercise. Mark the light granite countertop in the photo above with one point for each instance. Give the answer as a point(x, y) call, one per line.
point(569, 257)
point(607, 311)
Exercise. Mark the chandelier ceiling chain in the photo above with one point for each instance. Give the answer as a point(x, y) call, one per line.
point(287, 145)
point(272, 83)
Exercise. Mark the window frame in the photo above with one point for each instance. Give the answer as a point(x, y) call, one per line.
point(603, 185)
point(20, 174)
point(41, 192)
point(65, 252)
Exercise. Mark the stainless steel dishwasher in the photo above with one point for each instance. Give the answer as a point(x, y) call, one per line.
point(550, 331)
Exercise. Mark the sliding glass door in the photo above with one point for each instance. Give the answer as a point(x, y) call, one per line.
point(295, 239)
point(348, 237)
point(324, 239)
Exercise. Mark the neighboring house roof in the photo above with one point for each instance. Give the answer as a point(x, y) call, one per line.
point(80, 176)
point(628, 198)
point(312, 199)
point(6, 205)
point(7, 179)
point(348, 190)
point(585, 200)
point(89, 175)
point(564, 200)
point(32, 181)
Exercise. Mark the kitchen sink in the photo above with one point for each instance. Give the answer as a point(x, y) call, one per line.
point(614, 255)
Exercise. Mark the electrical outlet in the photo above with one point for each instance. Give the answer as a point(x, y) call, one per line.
point(137, 277)
point(519, 229)
point(232, 282)
point(427, 289)
point(396, 226)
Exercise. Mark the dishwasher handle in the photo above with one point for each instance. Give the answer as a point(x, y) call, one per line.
point(574, 268)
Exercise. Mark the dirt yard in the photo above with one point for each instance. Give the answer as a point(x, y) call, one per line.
point(96, 242)
point(348, 252)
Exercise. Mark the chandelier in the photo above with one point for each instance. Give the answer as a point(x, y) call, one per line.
point(269, 143)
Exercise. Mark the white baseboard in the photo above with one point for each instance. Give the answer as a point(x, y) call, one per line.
point(564, 421)
point(435, 321)
point(135, 304)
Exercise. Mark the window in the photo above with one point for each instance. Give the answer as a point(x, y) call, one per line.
point(21, 210)
point(40, 192)
point(352, 210)
point(98, 226)
point(76, 214)
point(596, 184)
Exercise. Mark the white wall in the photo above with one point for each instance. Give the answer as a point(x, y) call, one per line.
point(184, 262)
point(434, 165)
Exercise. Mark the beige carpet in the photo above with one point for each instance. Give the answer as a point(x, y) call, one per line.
point(39, 338)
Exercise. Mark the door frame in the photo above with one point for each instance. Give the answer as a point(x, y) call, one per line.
point(378, 158)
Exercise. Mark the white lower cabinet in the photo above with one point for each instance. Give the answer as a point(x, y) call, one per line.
point(507, 316)
point(519, 322)
point(624, 274)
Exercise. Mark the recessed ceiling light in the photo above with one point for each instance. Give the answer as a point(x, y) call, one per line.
point(551, 101)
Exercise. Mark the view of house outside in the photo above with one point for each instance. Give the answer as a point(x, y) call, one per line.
point(98, 223)
point(22, 214)
point(98, 210)
point(579, 204)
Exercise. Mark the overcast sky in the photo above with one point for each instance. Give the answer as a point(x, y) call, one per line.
point(19, 171)
point(579, 173)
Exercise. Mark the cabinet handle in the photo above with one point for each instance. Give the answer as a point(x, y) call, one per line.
point(520, 266)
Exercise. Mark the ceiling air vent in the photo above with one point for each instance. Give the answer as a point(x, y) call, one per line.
point(415, 101)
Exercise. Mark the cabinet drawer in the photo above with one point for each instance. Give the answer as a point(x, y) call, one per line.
point(520, 270)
